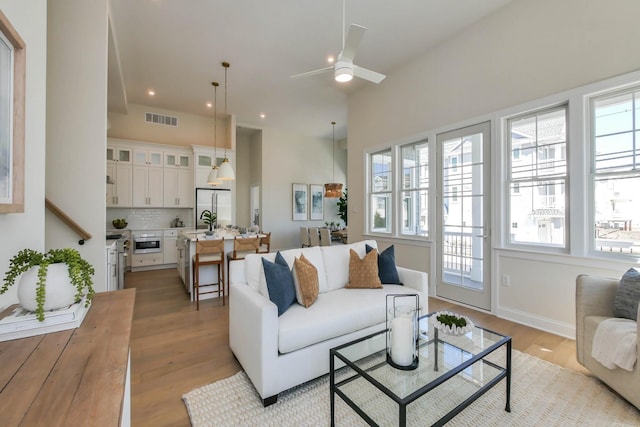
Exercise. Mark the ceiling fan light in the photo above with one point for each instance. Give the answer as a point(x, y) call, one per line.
point(344, 72)
point(225, 171)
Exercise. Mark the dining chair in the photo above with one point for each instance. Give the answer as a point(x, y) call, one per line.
point(304, 237)
point(314, 236)
point(208, 252)
point(325, 237)
point(265, 243)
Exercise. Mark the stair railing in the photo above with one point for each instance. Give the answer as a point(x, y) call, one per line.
point(68, 220)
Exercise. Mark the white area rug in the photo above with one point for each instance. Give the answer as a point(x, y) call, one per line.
point(542, 394)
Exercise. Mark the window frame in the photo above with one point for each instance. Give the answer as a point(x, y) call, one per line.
point(590, 99)
point(507, 165)
point(396, 192)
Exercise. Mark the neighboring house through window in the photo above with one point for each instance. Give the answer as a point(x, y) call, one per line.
point(615, 137)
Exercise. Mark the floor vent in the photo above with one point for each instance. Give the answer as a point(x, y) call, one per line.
point(160, 119)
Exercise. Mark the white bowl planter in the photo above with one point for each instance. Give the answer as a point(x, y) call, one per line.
point(451, 329)
point(59, 291)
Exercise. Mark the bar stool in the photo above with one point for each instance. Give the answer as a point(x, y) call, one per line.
point(265, 243)
point(208, 252)
point(243, 246)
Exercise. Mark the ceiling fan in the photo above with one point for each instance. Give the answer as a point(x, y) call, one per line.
point(344, 68)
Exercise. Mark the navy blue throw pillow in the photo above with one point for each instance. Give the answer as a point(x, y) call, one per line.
point(387, 270)
point(282, 290)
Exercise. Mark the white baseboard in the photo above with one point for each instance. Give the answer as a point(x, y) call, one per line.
point(567, 330)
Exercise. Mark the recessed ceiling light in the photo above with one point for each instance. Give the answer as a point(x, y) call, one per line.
point(209, 105)
point(151, 92)
point(331, 59)
point(263, 115)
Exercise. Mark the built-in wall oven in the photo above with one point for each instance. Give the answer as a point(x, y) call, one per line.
point(147, 242)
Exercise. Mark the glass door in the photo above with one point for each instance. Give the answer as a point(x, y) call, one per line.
point(463, 235)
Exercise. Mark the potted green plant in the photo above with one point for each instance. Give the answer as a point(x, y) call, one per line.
point(342, 207)
point(209, 218)
point(50, 280)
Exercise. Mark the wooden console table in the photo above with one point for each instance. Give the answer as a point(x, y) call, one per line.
point(73, 377)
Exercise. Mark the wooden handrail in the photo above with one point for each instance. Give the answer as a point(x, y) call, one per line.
point(68, 220)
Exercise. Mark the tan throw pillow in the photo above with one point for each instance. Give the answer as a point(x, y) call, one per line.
point(363, 273)
point(305, 278)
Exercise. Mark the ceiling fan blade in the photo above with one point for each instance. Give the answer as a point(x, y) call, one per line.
point(354, 37)
point(363, 73)
point(312, 73)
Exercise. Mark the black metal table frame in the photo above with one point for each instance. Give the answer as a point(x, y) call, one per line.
point(505, 372)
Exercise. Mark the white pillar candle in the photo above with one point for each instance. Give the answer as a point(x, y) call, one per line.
point(402, 341)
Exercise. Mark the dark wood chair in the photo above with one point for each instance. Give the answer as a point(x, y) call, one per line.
point(208, 252)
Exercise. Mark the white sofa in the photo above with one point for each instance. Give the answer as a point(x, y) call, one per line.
point(278, 353)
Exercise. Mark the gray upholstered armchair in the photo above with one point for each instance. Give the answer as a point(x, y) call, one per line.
point(594, 303)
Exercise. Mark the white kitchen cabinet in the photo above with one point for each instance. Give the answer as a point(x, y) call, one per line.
point(178, 187)
point(181, 160)
point(145, 260)
point(119, 185)
point(112, 268)
point(169, 248)
point(152, 158)
point(147, 186)
point(118, 154)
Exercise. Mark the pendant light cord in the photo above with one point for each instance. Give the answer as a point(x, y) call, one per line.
point(226, 67)
point(333, 145)
point(215, 120)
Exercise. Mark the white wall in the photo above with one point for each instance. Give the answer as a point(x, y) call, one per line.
point(243, 178)
point(289, 158)
point(191, 130)
point(26, 230)
point(528, 50)
point(76, 126)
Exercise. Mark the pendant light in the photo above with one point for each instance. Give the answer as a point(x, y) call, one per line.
point(225, 172)
point(333, 190)
point(212, 179)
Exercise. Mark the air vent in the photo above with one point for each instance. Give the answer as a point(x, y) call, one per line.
point(160, 119)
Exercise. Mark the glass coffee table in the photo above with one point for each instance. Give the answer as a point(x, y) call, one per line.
point(453, 371)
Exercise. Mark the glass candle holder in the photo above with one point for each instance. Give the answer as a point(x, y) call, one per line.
point(402, 330)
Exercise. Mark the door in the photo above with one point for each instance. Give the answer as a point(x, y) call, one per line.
point(462, 218)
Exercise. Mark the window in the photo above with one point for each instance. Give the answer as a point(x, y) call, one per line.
point(380, 196)
point(398, 183)
point(538, 177)
point(415, 188)
point(615, 173)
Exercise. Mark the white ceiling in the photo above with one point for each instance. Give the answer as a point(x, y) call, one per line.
point(176, 48)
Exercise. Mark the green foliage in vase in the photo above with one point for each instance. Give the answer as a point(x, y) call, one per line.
point(208, 218)
point(451, 320)
point(80, 273)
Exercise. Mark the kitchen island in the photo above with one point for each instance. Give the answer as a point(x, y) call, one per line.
point(186, 244)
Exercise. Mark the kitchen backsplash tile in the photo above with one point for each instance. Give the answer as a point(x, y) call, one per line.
point(148, 218)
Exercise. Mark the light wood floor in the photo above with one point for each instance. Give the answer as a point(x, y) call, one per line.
point(175, 348)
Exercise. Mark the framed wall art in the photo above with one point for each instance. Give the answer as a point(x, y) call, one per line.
point(299, 197)
point(316, 209)
point(12, 93)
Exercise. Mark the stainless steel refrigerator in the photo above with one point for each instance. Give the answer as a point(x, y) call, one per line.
point(217, 201)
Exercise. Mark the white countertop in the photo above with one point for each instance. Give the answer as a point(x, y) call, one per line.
point(194, 235)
